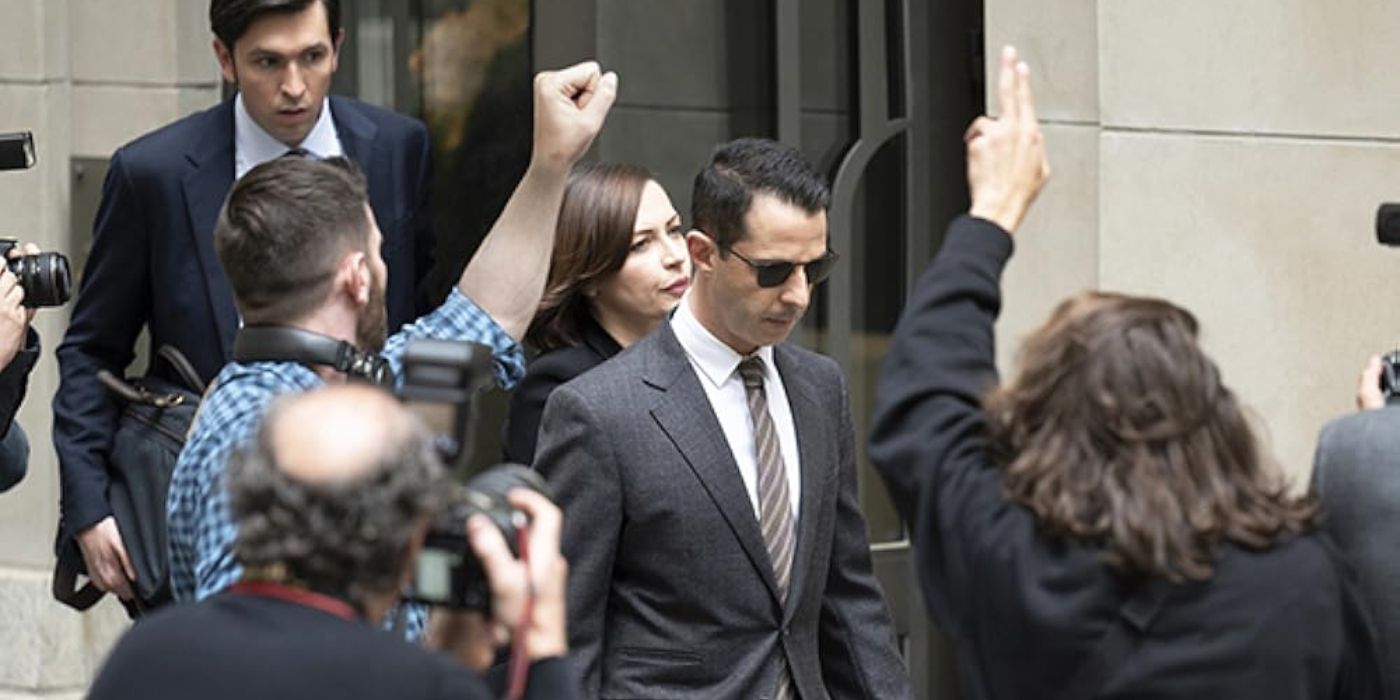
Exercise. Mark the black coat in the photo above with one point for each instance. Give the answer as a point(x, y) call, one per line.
point(544, 374)
point(236, 647)
point(1024, 609)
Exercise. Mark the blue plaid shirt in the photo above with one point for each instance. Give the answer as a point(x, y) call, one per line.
point(201, 528)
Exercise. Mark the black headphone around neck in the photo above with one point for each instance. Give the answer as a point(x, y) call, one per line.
point(286, 344)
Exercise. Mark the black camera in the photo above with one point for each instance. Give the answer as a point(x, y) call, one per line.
point(45, 277)
point(16, 151)
point(1390, 375)
point(440, 382)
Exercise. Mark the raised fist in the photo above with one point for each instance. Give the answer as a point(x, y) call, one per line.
point(570, 106)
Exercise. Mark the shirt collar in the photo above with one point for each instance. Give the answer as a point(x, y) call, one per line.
point(716, 361)
point(253, 146)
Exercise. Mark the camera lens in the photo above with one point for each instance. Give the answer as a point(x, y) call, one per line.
point(45, 278)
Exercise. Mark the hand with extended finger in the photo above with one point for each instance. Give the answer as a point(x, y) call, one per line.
point(1006, 165)
point(570, 106)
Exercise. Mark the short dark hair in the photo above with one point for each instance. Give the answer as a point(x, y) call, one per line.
point(346, 537)
point(740, 169)
point(230, 19)
point(284, 228)
point(591, 240)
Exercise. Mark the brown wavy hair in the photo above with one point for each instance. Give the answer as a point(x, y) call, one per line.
point(1117, 430)
point(592, 240)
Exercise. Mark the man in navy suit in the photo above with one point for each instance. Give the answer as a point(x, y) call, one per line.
point(153, 262)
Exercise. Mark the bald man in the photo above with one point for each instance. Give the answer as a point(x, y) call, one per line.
point(332, 501)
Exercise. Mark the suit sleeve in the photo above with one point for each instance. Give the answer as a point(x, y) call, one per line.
point(857, 641)
point(522, 428)
point(112, 306)
point(927, 431)
point(577, 459)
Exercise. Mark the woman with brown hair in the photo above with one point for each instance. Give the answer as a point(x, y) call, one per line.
point(1105, 524)
point(620, 265)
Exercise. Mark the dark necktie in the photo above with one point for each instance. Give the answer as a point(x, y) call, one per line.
point(774, 503)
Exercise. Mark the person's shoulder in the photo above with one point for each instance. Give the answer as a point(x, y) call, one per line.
point(1356, 449)
point(241, 393)
point(1310, 560)
point(563, 364)
point(174, 139)
point(1362, 426)
point(390, 123)
point(821, 369)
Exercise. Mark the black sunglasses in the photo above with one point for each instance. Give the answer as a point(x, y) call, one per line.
point(775, 272)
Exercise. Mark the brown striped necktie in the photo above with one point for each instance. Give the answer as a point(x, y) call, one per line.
point(774, 504)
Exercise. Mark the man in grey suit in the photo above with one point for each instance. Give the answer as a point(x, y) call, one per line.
point(707, 473)
point(1356, 474)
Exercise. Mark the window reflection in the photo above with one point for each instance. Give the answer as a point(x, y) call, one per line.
point(463, 67)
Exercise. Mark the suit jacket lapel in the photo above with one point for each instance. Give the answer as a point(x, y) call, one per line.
point(206, 186)
point(684, 414)
point(811, 428)
point(356, 133)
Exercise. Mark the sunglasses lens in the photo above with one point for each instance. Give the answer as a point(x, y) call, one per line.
point(774, 274)
point(818, 270)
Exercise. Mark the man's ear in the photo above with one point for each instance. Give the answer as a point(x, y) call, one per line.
point(335, 53)
point(354, 278)
point(226, 65)
point(702, 250)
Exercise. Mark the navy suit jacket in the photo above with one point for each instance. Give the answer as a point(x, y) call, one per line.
point(153, 264)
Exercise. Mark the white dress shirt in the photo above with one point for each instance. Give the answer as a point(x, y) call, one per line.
point(253, 146)
point(718, 368)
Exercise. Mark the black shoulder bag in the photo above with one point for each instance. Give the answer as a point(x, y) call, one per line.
point(155, 419)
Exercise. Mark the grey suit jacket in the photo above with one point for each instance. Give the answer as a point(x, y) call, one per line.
point(671, 592)
point(1356, 473)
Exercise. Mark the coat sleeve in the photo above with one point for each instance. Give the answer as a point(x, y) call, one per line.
point(577, 458)
point(856, 635)
point(927, 431)
point(112, 305)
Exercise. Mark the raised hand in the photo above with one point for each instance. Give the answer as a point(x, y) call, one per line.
point(1006, 165)
point(570, 106)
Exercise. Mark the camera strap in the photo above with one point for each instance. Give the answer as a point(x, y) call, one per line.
point(297, 596)
point(287, 344)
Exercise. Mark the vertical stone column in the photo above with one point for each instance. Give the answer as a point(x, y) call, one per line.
point(85, 76)
point(1057, 252)
point(1228, 157)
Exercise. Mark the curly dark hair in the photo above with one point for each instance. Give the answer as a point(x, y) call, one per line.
point(347, 538)
point(1118, 430)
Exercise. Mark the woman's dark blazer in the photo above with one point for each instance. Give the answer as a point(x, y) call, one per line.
point(541, 377)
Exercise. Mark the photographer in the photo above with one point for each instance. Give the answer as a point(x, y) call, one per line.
point(19, 350)
point(1354, 476)
point(332, 502)
point(301, 249)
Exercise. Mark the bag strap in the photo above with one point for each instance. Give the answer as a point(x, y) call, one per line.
point(65, 580)
point(135, 394)
point(182, 366)
point(1118, 642)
